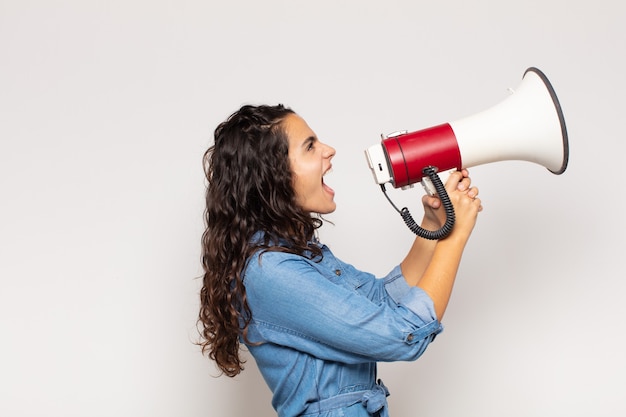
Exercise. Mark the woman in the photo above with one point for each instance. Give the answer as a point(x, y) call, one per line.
point(315, 325)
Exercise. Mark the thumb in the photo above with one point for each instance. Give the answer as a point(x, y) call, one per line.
point(431, 201)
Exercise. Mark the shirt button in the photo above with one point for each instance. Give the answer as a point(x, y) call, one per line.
point(338, 272)
point(409, 338)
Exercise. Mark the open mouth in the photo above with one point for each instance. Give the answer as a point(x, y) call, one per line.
point(324, 185)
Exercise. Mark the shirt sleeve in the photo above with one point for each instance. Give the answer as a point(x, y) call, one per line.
point(293, 304)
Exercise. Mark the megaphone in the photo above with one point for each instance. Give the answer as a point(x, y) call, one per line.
point(527, 126)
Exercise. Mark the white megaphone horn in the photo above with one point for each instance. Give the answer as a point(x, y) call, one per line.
point(527, 126)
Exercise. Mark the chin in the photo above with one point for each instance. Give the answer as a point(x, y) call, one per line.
point(321, 206)
point(322, 210)
point(328, 210)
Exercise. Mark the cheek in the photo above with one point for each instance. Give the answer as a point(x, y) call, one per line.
point(303, 186)
point(303, 174)
point(306, 188)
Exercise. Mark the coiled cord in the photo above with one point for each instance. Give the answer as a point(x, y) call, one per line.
point(445, 230)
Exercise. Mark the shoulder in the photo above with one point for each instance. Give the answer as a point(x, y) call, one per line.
point(275, 252)
point(274, 263)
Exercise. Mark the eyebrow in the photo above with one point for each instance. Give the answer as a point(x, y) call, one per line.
point(307, 141)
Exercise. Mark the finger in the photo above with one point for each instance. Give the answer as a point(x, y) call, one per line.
point(480, 204)
point(453, 180)
point(472, 192)
point(431, 201)
point(464, 184)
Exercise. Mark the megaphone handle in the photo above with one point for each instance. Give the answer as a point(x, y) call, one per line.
point(428, 185)
point(431, 173)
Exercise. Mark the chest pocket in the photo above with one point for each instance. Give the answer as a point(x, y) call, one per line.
point(334, 272)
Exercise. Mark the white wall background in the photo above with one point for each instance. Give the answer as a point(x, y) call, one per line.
point(107, 107)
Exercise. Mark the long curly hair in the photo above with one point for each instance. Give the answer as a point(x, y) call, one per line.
point(250, 190)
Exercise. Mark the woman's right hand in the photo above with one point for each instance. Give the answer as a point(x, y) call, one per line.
point(464, 198)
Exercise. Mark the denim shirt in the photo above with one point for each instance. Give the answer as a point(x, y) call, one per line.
point(319, 327)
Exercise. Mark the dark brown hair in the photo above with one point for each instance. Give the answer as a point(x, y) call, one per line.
point(250, 190)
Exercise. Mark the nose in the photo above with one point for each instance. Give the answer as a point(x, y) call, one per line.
point(329, 151)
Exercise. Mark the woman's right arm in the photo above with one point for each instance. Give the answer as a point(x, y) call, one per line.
point(352, 317)
point(433, 265)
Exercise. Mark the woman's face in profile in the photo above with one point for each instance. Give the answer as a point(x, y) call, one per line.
point(310, 160)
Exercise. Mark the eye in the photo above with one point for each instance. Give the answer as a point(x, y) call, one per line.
point(310, 144)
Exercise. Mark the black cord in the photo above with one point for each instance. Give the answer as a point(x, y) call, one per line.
point(445, 230)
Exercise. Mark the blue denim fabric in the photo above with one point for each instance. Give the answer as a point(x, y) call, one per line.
point(321, 327)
